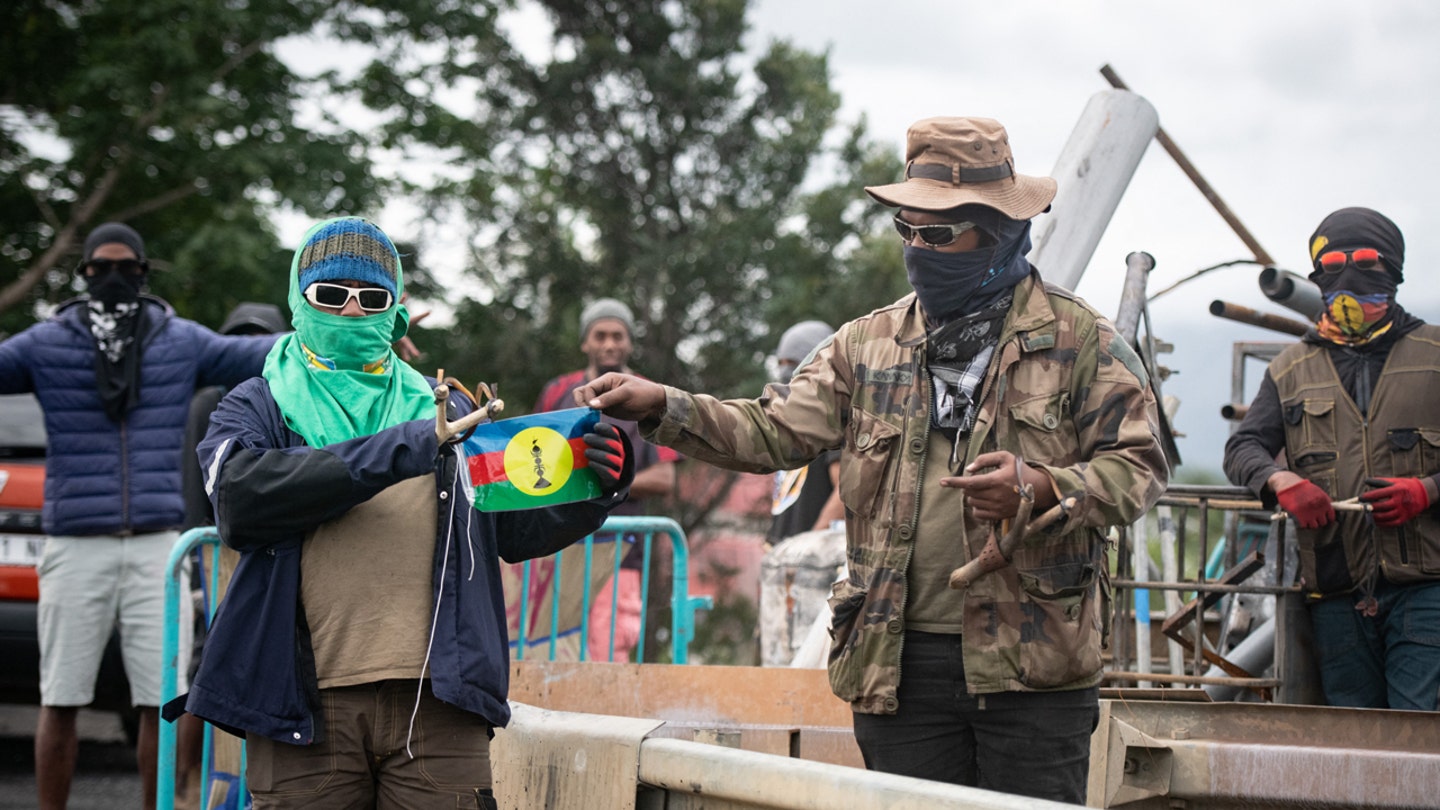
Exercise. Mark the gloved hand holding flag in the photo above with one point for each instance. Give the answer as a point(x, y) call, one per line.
point(605, 450)
point(542, 459)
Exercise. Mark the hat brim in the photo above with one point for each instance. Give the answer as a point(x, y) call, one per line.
point(1022, 197)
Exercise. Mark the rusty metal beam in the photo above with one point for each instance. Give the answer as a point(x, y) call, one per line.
point(1261, 255)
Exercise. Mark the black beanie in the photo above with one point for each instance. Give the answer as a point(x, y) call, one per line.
point(113, 232)
point(1351, 228)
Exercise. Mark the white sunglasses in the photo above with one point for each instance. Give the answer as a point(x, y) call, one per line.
point(336, 296)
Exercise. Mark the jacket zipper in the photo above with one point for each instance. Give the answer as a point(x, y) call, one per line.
point(1365, 454)
point(124, 473)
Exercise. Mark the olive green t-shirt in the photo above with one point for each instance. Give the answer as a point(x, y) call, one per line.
point(366, 584)
point(931, 605)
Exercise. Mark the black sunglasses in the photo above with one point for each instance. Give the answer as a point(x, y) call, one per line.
point(371, 299)
point(931, 235)
point(129, 267)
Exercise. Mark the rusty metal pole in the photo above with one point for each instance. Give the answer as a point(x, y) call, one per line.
point(1261, 255)
point(1264, 320)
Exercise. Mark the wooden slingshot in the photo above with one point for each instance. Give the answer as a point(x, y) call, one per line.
point(487, 406)
point(997, 552)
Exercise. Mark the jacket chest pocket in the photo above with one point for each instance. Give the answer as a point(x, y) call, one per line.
point(1309, 428)
point(1041, 428)
point(869, 445)
point(1413, 451)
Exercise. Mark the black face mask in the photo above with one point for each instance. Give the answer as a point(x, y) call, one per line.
point(953, 284)
point(114, 287)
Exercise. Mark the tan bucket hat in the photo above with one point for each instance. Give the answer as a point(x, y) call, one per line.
point(954, 161)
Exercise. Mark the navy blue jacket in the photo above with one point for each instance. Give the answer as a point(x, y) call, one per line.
point(270, 489)
point(105, 477)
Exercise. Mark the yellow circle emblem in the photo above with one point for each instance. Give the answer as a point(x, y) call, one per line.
point(538, 461)
point(1347, 313)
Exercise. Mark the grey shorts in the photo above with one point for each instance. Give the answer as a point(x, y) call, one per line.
point(89, 587)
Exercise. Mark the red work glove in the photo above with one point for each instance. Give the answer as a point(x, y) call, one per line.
point(1397, 501)
point(606, 452)
point(1308, 503)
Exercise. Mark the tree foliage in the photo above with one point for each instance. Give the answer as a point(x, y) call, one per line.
point(180, 118)
point(644, 156)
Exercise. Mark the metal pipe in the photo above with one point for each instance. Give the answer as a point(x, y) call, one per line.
point(1214, 587)
point(1140, 548)
point(1160, 677)
point(1132, 296)
point(1093, 170)
point(1234, 411)
point(1194, 174)
point(1255, 654)
point(1218, 503)
point(1264, 320)
point(711, 775)
point(1292, 291)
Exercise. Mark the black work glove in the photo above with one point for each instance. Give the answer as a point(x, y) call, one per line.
point(605, 450)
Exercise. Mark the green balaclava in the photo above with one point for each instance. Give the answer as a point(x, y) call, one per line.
point(335, 377)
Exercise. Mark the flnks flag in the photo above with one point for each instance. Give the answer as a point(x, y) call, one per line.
point(531, 461)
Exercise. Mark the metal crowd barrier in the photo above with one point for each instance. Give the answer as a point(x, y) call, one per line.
point(208, 542)
point(627, 530)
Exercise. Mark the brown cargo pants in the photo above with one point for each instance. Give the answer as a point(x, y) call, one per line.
point(362, 762)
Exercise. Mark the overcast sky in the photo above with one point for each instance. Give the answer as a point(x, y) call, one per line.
point(1289, 109)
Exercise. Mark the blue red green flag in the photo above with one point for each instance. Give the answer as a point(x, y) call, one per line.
point(531, 461)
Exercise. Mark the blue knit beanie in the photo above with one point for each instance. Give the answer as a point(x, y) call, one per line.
point(349, 248)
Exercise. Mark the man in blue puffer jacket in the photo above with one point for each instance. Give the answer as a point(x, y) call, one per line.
point(361, 648)
point(114, 371)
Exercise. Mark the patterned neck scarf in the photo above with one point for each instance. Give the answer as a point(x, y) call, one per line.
point(116, 327)
point(957, 355)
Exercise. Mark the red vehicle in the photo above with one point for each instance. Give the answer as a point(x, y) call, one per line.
point(22, 497)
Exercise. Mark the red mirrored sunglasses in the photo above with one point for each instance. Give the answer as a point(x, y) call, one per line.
point(1364, 258)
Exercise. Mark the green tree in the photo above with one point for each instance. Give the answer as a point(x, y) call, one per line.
point(178, 117)
point(645, 157)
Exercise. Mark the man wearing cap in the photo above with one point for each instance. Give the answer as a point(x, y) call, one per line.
point(607, 337)
point(361, 648)
point(805, 498)
point(943, 404)
point(1353, 407)
point(114, 371)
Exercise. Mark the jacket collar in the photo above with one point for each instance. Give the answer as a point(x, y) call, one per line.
point(1031, 318)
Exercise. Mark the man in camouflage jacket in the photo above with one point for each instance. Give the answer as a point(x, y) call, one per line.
point(943, 404)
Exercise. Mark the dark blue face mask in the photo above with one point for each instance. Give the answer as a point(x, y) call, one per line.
point(953, 284)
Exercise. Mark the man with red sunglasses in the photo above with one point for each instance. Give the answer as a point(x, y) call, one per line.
point(1353, 408)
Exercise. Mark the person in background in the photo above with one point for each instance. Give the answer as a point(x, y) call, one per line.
point(607, 338)
point(247, 318)
point(805, 498)
point(948, 407)
point(114, 371)
point(1353, 407)
point(361, 648)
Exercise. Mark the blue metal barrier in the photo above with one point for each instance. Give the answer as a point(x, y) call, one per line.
point(621, 529)
point(199, 541)
point(628, 530)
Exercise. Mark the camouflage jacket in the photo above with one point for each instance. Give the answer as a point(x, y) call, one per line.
point(1062, 391)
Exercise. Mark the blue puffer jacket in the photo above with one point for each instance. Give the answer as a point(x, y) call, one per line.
point(270, 490)
point(104, 477)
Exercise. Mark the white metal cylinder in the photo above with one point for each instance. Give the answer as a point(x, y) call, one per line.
point(1092, 172)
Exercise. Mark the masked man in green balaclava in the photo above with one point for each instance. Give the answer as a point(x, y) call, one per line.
point(362, 649)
